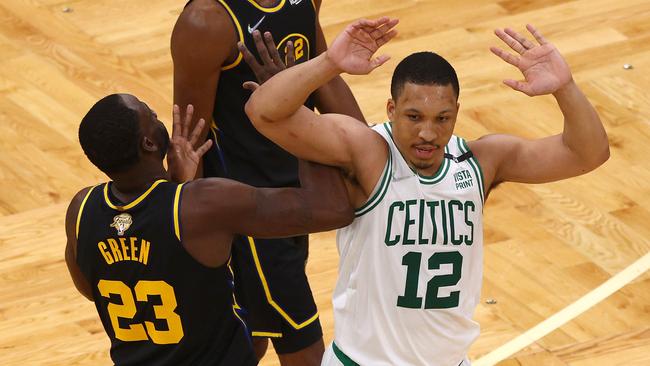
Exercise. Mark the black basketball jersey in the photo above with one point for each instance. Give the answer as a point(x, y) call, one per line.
point(240, 152)
point(158, 305)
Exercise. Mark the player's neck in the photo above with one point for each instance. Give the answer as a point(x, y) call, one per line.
point(426, 172)
point(136, 180)
point(429, 171)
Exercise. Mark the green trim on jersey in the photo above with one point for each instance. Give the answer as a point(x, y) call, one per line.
point(345, 360)
point(476, 167)
point(381, 192)
point(424, 179)
point(440, 174)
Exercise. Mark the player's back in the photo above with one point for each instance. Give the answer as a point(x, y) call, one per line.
point(158, 305)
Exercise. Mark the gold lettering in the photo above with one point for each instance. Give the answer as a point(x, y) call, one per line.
point(144, 251)
point(298, 51)
point(115, 249)
point(124, 249)
point(107, 256)
point(134, 249)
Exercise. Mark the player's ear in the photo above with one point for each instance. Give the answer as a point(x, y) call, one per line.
point(390, 109)
point(148, 144)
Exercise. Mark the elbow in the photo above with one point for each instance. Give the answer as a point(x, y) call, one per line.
point(597, 158)
point(344, 212)
point(344, 216)
point(252, 111)
point(332, 218)
point(604, 154)
point(256, 113)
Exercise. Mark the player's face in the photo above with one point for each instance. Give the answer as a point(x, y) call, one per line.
point(423, 119)
point(156, 130)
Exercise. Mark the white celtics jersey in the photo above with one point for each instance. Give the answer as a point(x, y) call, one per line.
point(411, 265)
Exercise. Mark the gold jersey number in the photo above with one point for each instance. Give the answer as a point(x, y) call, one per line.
point(127, 310)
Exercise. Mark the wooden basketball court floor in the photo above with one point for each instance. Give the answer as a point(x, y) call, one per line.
point(553, 252)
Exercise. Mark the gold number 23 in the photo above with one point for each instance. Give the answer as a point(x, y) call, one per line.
point(143, 289)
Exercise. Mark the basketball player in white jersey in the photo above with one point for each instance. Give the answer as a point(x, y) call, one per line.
point(411, 261)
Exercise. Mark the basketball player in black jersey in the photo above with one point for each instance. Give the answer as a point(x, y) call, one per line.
point(209, 47)
point(152, 254)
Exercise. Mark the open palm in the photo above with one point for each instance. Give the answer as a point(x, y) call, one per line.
point(353, 49)
point(183, 156)
point(544, 69)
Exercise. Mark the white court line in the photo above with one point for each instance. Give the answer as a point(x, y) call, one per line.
point(558, 319)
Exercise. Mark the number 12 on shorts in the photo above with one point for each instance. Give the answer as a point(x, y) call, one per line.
point(412, 261)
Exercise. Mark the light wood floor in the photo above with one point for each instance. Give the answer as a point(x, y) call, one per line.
point(546, 245)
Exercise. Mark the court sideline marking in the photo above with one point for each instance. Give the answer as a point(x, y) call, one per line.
point(567, 314)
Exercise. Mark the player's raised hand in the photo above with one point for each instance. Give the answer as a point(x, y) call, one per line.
point(545, 70)
point(352, 51)
point(271, 62)
point(182, 156)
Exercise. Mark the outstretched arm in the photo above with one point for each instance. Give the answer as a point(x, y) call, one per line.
point(276, 110)
point(335, 96)
point(212, 206)
point(580, 148)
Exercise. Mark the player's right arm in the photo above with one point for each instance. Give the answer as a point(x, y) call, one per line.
point(216, 206)
point(276, 109)
point(202, 41)
point(71, 217)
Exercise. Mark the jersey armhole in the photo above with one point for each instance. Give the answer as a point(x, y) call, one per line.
point(176, 211)
point(240, 34)
point(81, 208)
point(380, 189)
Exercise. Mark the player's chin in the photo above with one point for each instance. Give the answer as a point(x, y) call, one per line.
point(421, 164)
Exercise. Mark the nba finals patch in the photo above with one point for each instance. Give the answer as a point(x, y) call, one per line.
point(122, 223)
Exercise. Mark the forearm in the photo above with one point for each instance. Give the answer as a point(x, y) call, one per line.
point(336, 97)
point(202, 98)
point(283, 94)
point(583, 133)
point(325, 194)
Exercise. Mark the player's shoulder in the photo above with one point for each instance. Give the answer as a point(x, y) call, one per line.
point(212, 191)
point(493, 144)
point(214, 199)
point(204, 16)
point(358, 133)
point(75, 205)
point(79, 198)
point(492, 151)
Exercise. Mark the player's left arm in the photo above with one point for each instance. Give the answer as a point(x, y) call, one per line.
point(335, 96)
point(80, 282)
point(581, 147)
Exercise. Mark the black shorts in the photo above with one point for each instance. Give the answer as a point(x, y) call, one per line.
point(272, 291)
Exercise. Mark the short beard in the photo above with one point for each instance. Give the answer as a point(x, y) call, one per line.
point(421, 165)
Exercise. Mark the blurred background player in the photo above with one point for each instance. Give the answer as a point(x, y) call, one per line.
point(210, 44)
point(152, 254)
